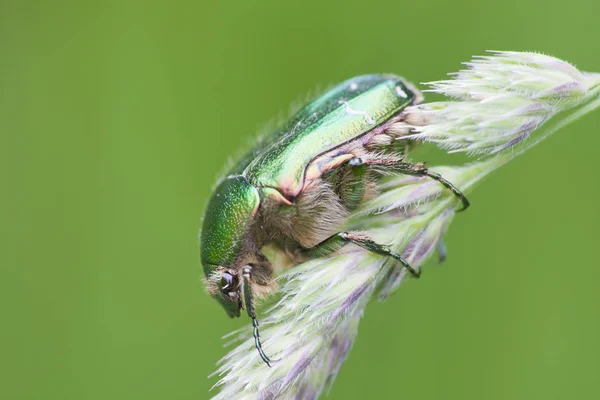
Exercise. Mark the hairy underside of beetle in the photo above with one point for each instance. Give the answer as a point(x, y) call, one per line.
point(322, 208)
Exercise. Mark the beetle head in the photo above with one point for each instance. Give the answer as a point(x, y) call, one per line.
point(227, 219)
point(225, 287)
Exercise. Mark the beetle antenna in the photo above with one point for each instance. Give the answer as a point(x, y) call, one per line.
point(247, 274)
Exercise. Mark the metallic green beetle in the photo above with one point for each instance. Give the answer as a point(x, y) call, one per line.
point(296, 187)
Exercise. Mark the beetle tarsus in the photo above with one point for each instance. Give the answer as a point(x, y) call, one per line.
point(248, 299)
point(368, 244)
point(337, 241)
point(450, 186)
point(257, 343)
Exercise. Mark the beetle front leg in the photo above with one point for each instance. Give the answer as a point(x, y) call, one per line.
point(249, 301)
point(340, 239)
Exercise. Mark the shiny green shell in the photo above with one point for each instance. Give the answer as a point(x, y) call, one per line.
point(345, 113)
point(230, 210)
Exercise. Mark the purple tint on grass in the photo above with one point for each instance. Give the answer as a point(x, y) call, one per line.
point(417, 251)
point(419, 247)
point(517, 140)
point(565, 89)
point(349, 302)
point(422, 192)
point(528, 126)
point(534, 108)
point(392, 281)
point(420, 243)
point(337, 353)
point(300, 366)
point(276, 388)
point(525, 130)
point(306, 393)
point(410, 247)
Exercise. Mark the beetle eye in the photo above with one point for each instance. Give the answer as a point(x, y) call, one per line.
point(233, 295)
point(228, 283)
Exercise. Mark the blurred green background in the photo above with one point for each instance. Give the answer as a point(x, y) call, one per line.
point(116, 118)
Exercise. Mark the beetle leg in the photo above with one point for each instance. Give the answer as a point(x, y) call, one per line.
point(354, 184)
point(449, 185)
point(340, 239)
point(248, 299)
point(419, 169)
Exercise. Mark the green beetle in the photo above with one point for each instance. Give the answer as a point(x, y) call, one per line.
point(296, 187)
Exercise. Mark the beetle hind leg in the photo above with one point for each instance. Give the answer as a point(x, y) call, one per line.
point(340, 239)
point(419, 169)
point(450, 186)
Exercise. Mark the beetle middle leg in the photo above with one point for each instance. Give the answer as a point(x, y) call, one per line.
point(249, 301)
point(340, 239)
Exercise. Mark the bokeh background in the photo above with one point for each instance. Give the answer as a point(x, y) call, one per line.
point(116, 117)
